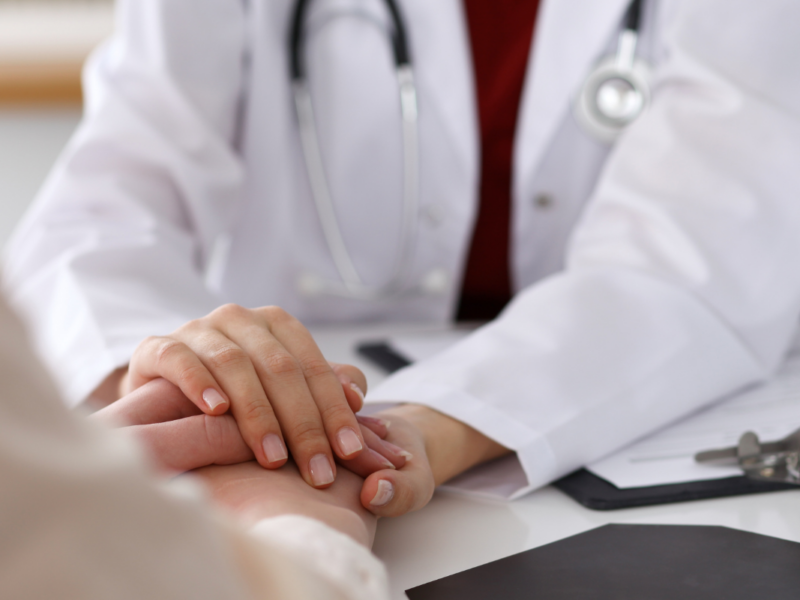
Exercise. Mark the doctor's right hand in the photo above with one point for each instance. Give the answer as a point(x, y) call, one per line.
point(263, 365)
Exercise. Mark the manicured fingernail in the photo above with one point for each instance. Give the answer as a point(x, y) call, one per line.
point(213, 398)
point(321, 472)
point(398, 450)
point(382, 459)
point(376, 420)
point(274, 448)
point(384, 494)
point(348, 441)
point(357, 390)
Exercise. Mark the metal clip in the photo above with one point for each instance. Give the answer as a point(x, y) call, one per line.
point(771, 461)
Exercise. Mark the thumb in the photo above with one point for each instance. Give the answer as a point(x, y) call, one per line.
point(392, 493)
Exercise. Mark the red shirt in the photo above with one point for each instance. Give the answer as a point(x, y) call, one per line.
point(501, 33)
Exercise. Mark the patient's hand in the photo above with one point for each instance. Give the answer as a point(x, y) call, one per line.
point(180, 437)
point(255, 493)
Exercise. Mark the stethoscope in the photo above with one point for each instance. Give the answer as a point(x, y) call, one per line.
point(617, 91)
point(612, 97)
point(351, 284)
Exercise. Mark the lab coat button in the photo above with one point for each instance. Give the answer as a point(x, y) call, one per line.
point(435, 282)
point(434, 214)
point(543, 201)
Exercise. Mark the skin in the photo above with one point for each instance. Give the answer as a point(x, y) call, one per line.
point(411, 448)
point(259, 398)
point(180, 437)
point(253, 493)
point(264, 368)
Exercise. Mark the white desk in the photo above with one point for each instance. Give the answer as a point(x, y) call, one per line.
point(455, 532)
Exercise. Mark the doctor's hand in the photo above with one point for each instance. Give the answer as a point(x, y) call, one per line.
point(441, 448)
point(263, 365)
point(179, 437)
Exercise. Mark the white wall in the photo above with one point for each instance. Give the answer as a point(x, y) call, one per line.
point(30, 141)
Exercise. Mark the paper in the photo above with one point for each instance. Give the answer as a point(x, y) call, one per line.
point(771, 410)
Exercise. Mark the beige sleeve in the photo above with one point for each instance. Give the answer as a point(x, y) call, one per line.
point(81, 517)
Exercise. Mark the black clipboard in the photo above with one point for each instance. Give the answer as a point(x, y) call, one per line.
point(594, 492)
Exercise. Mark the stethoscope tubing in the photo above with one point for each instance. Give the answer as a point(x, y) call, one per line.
point(623, 67)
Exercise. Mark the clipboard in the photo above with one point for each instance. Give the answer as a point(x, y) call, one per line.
point(596, 493)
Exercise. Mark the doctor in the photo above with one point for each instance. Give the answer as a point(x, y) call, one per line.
point(627, 171)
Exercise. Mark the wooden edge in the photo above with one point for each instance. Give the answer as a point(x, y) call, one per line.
point(40, 83)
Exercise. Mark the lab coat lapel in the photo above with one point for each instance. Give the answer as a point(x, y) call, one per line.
point(569, 38)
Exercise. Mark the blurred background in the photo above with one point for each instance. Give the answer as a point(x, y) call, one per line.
point(43, 44)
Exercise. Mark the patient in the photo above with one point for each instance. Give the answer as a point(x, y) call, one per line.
point(81, 516)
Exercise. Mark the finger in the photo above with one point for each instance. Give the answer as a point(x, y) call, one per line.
point(378, 456)
point(323, 385)
point(233, 368)
point(396, 492)
point(396, 455)
point(367, 463)
point(281, 378)
point(391, 493)
point(194, 442)
point(156, 401)
point(375, 424)
point(175, 361)
point(354, 384)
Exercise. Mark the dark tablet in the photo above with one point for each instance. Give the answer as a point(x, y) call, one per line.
point(635, 562)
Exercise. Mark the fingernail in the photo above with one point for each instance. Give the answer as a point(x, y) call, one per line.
point(376, 420)
point(398, 450)
point(213, 398)
point(357, 390)
point(321, 472)
point(384, 494)
point(274, 448)
point(348, 441)
point(382, 459)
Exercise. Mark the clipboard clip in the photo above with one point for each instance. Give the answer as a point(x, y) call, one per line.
point(769, 461)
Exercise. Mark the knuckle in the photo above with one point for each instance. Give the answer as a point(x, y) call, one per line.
point(256, 411)
point(191, 373)
point(230, 311)
point(281, 363)
point(305, 433)
point(227, 356)
point(336, 412)
point(315, 368)
point(168, 350)
point(213, 431)
point(191, 326)
point(276, 315)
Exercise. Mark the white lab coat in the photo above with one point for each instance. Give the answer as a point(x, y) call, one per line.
point(661, 277)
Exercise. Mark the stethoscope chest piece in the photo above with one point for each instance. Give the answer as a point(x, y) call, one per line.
point(612, 99)
point(617, 91)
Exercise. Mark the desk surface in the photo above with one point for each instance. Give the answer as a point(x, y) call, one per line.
point(456, 532)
